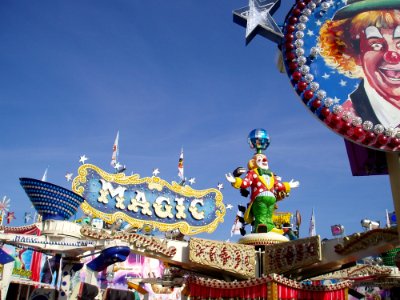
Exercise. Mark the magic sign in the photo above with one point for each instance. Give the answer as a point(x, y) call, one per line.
point(148, 200)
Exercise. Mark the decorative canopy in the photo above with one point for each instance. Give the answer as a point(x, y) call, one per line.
point(50, 200)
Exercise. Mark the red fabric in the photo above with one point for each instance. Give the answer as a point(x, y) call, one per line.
point(204, 292)
point(289, 293)
point(36, 261)
point(197, 291)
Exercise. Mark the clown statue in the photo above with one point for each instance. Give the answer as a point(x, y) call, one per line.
point(266, 188)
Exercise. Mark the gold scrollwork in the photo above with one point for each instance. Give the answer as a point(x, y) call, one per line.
point(153, 183)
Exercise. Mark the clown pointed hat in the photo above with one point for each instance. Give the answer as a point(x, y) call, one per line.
point(355, 7)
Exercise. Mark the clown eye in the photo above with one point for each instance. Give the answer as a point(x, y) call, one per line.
point(376, 46)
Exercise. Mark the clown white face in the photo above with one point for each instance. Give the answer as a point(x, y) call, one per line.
point(380, 60)
point(261, 161)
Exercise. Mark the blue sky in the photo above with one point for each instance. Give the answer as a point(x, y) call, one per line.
point(166, 74)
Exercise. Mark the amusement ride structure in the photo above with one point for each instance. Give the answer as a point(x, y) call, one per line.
point(69, 259)
point(111, 253)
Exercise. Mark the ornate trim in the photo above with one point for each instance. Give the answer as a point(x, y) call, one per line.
point(230, 257)
point(18, 229)
point(263, 239)
point(137, 241)
point(292, 255)
point(214, 283)
point(362, 241)
point(367, 270)
point(299, 285)
point(358, 272)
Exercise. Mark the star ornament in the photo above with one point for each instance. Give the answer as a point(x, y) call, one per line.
point(257, 18)
point(82, 159)
point(68, 176)
point(156, 171)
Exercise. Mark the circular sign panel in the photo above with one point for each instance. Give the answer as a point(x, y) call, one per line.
point(343, 59)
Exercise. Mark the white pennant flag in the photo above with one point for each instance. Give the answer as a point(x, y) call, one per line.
point(115, 151)
point(44, 177)
point(312, 231)
point(180, 166)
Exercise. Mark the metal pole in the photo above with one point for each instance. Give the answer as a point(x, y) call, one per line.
point(19, 290)
point(393, 161)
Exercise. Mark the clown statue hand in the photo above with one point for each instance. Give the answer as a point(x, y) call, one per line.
point(230, 178)
point(293, 184)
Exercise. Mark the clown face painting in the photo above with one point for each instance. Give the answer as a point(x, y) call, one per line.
point(343, 59)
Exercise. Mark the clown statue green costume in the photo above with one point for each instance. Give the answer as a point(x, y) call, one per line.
point(266, 188)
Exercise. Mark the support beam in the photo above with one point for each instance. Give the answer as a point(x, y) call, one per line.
point(393, 161)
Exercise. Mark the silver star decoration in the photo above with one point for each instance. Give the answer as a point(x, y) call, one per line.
point(117, 166)
point(336, 100)
point(192, 181)
point(68, 176)
point(343, 82)
point(318, 23)
point(156, 172)
point(257, 18)
point(83, 159)
point(326, 76)
point(229, 206)
point(220, 186)
point(310, 32)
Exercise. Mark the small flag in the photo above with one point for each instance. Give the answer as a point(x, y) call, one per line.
point(391, 219)
point(115, 151)
point(337, 229)
point(312, 231)
point(180, 166)
point(27, 217)
point(10, 217)
point(239, 224)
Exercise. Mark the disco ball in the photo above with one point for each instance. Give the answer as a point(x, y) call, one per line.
point(258, 139)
